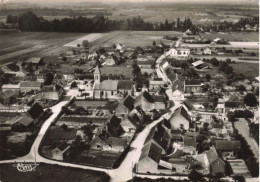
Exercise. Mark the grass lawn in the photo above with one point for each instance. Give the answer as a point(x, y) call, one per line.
point(248, 69)
point(51, 173)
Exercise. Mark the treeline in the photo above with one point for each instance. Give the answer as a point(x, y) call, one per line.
point(31, 22)
point(225, 26)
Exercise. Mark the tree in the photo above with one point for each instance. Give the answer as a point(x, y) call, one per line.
point(241, 88)
point(136, 69)
point(208, 77)
point(64, 58)
point(73, 84)
point(78, 45)
point(195, 176)
point(85, 43)
point(250, 100)
point(48, 78)
point(154, 43)
point(79, 110)
point(228, 70)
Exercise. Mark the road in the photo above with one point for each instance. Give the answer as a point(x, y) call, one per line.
point(223, 58)
point(243, 129)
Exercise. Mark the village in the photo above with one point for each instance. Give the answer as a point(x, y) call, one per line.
point(202, 116)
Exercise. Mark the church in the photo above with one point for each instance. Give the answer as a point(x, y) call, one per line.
point(111, 89)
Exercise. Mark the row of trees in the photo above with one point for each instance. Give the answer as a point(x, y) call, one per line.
point(31, 22)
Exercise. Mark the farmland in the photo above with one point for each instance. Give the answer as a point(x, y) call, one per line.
point(50, 173)
point(248, 69)
point(234, 36)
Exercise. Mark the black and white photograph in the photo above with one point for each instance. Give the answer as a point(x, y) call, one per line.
point(129, 90)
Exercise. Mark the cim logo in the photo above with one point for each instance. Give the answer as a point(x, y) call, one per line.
point(25, 167)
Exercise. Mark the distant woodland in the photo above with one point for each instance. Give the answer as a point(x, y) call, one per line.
point(31, 22)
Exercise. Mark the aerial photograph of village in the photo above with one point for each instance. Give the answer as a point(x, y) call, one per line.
point(129, 90)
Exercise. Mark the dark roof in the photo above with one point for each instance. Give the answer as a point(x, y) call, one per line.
point(30, 84)
point(63, 146)
point(124, 85)
point(35, 111)
point(6, 116)
point(158, 98)
point(7, 93)
point(83, 119)
point(192, 82)
point(172, 76)
point(232, 104)
point(152, 151)
point(233, 98)
point(58, 133)
point(115, 141)
point(24, 120)
point(225, 145)
point(189, 141)
point(188, 104)
point(145, 95)
point(128, 102)
point(211, 155)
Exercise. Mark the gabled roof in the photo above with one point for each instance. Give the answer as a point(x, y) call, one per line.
point(151, 151)
point(231, 104)
point(7, 93)
point(181, 111)
point(197, 63)
point(144, 95)
point(193, 82)
point(188, 104)
point(24, 120)
point(30, 84)
point(225, 145)
point(128, 102)
point(158, 98)
point(211, 155)
point(115, 141)
point(35, 111)
point(34, 60)
point(189, 141)
point(124, 85)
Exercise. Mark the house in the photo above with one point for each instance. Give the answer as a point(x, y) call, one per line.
point(159, 102)
point(156, 83)
point(180, 119)
point(61, 152)
point(178, 52)
point(149, 159)
point(110, 61)
point(111, 144)
point(8, 97)
point(146, 66)
point(145, 101)
point(51, 92)
point(216, 165)
point(194, 86)
point(189, 144)
point(141, 58)
point(238, 167)
point(13, 87)
point(119, 47)
point(125, 106)
point(27, 86)
point(160, 135)
point(207, 51)
point(113, 89)
point(177, 95)
point(129, 125)
point(35, 111)
point(35, 61)
point(197, 63)
point(227, 148)
point(22, 124)
point(79, 121)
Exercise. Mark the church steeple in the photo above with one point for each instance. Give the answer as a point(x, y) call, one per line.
point(97, 75)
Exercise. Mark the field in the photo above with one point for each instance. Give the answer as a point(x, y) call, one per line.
point(248, 69)
point(19, 44)
point(234, 36)
point(50, 173)
point(90, 38)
